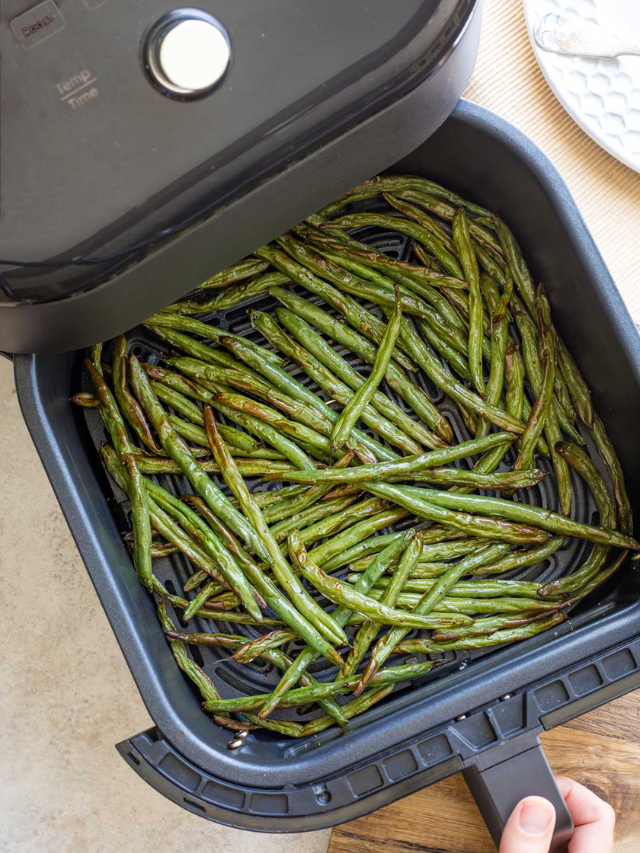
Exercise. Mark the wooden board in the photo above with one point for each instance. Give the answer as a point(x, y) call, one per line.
point(601, 750)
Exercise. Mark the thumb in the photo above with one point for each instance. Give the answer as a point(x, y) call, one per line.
point(530, 827)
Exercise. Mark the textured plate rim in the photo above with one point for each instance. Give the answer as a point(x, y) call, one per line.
point(631, 161)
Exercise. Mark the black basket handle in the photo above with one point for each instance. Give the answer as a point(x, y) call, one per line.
point(501, 778)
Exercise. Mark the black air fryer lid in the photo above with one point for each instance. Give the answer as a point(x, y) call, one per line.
point(128, 129)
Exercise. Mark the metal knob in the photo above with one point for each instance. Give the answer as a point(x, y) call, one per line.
point(187, 53)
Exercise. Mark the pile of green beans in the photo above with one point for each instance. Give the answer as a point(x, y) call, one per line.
point(385, 525)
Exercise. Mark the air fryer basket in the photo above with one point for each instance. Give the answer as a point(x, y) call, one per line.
point(480, 712)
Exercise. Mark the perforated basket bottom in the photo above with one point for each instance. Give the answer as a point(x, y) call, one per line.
point(233, 679)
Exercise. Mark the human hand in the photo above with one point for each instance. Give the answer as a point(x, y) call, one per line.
point(530, 827)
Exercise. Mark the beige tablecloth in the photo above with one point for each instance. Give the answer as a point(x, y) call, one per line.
point(508, 81)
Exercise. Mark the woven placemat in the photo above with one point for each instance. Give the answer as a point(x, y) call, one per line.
point(508, 81)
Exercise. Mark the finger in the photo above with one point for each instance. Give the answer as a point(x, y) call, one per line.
point(530, 827)
point(594, 819)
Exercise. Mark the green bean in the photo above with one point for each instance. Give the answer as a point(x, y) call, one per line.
point(252, 649)
point(421, 503)
point(410, 229)
point(190, 668)
point(129, 406)
point(527, 514)
point(540, 410)
point(85, 399)
point(204, 330)
point(514, 378)
point(525, 557)
point(456, 390)
point(580, 462)
point(400, 271)
point(241, 441)
point(355, 407)
point(402, 467)
point(486, 626)
point(439, 207)
point(304, 695)
point(299, 433)
point(385, 646)
point(281, 569)
point(578, 388)
point(248, 467)
point(282, 380)
point(229, 297)
point(268, 433)
point(377, 543)
point(369, 631)
point(464, 589)
point(317, 512)
point(467, 256)
point(347, 596)
point(301, 310)
point(225, 641)
point(243, 269)
point(609, 457)
point(201, 598)
point(341, 615)
point(309, 269)
point(212, 544)
point(141, 523)
point(517, 265)
point(397, 183)
point(508, 635)
point(331, 385)
point(196, 349)
point(350, 709)
point(528, 334)
point(409, 211)
point(175, 447)
point(319, 348)
point(431, 555)
point(356, 533)
point(339, 521)
point(499, 343)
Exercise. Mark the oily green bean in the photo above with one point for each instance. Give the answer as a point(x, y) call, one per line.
point(466, 253)
point(204, 330)
point(542, 405)
point(281, 569)
point(129, 406)
point(406, 467)
point(243, 269)
point(356, 533)
point(285, 382)
point(355, 407)
point(347, 596)
point(527, 514)
point(397, 183)
point(304, 310)
point(330, 384)
point(314, 272)
point(230, 296)
point(385, 646)
point(507, 635)
point(369, 631)
point(391, 552)
point(141, 523)
point(421, 502)
point(609, 457)
point(319, 348)
point(175, 447)
point(578, 388)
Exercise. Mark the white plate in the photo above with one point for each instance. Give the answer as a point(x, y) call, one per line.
point(601, 95)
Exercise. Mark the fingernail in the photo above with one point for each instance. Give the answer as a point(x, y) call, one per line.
point(535, 816)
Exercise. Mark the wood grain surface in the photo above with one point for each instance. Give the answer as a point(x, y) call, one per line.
point(601, 750)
